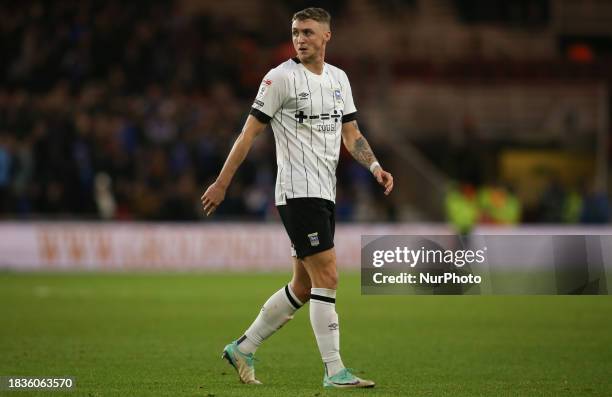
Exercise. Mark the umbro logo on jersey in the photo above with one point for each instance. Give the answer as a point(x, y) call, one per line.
point(333, 326)
point(314, 239)
point(301, 116)
point(303, 95)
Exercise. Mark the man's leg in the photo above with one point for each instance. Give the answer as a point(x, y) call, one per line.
point(324, 320)
point(323, 317)
point(278, 309)
point(275, 313)
point(300, 282)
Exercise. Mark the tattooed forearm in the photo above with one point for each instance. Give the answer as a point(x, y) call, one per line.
point(361, 150)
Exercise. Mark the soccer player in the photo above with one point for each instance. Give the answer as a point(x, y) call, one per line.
point(311, 109)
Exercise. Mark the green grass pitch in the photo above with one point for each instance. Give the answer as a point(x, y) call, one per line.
point(162, 335)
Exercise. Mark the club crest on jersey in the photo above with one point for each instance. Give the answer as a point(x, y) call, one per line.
point(337, 95)
point(314, 239)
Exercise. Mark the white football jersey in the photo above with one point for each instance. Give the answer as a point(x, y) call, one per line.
point(306, 111)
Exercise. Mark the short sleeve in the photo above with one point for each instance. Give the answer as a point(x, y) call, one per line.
point(350, 111)
point(270, 96)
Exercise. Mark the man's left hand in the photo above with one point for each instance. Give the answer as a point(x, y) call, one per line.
point(384, 178)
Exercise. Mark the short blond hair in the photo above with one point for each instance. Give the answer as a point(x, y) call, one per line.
point(314, 13)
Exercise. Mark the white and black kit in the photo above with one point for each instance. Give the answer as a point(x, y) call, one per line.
point(306, 112)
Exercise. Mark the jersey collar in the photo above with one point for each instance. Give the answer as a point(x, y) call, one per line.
point(314, 75)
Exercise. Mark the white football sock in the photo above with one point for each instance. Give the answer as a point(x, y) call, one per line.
point(275, 313)
point(324, 320)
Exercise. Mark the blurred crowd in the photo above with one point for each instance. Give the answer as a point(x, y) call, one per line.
point(467, 205)
point(127, 110)
point(122, 110)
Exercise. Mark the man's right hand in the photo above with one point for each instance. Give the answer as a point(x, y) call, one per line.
point(213, 196)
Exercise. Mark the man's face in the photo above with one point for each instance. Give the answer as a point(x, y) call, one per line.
point(309, 38)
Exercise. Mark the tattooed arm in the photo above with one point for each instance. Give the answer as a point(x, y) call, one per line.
point(361, 151)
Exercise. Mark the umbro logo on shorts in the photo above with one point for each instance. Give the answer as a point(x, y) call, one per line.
point(314, 239)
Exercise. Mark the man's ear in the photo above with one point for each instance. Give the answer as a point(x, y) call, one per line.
point(327, 36)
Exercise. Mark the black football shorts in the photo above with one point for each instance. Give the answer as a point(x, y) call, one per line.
point(310, 223)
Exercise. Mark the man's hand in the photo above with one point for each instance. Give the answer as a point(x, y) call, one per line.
point(215, 193)
point(213, 196)
point(384, 178)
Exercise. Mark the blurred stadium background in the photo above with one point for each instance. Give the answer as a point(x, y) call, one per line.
point(114, 116)
point(125, 111)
